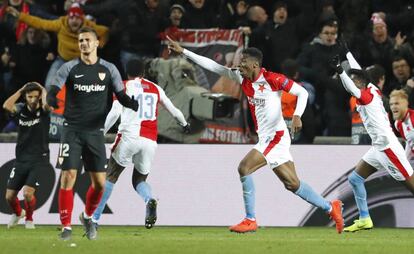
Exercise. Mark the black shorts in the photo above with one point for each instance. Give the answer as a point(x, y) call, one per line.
point(26, 173)
point(77, 145)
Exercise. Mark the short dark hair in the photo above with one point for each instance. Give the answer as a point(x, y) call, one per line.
point(397, 58)
point(375, 73)
point(290, 67)
point(87, 29)
point(331, 22)
point(30, 87)
point(361, 75)
point(255, 53)
point(135, 68)
point(279, 4)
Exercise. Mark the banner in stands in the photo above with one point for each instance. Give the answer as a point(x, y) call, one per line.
point(199, 185)
point(223, 46)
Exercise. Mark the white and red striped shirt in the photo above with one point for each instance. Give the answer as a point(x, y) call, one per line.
point(263, 94)
point(143, 122)
point(406, 129)
point(372, 112)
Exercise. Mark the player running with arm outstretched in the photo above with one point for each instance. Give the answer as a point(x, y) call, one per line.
point(263, 90)
point(386, 152)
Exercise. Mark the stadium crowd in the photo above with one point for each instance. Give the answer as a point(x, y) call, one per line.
point(297, 38)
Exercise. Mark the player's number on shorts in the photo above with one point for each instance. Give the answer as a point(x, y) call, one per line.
point(146, 106)
point(12, 173)
point(64, 150)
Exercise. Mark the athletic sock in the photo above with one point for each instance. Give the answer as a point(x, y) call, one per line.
point(360, 193)
point(65, 206)
point(92, 200)
point(15, 206)
point(107, 193)
point(30, 207)
point(248, 196)
point(308, 194)
point(144, 190)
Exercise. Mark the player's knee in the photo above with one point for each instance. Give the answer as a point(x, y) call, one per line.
point(112, 178)
point(243, 169)
point(99, 186)
point(291, 185)
point(28, 195)
point(67, 177)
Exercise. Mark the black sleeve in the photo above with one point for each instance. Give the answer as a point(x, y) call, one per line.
point(127, 101)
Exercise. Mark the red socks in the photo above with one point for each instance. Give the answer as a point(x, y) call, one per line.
point(92, 200)
point(65, 206)
point(30, 207)
point(15, 206)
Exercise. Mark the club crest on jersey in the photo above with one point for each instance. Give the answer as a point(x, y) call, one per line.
point(102, 75)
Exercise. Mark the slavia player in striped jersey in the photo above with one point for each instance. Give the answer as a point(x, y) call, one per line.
point(263, 90)
point(404, 119)
point(386, 152)
point(136, 140)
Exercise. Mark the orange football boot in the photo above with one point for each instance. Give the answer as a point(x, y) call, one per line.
point(245, 226)
point(336, 215)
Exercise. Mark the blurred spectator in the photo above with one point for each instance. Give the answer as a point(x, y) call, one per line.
point(174, 21)
point(402, 73)
point(377, 47)
point(238, 12)
point(67, 28)
point(33, 43)
point(404, 46)
point(291, 69)
point(140, 24)
point(199, 15)
point(280, 38)
point(257, 16)
point(314, 62)
point(353, 15)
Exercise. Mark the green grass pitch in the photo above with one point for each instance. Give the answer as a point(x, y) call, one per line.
point(128, 239)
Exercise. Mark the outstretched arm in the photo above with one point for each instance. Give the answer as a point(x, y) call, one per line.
point(205, 62)
point(113, 115)
point(169, 106)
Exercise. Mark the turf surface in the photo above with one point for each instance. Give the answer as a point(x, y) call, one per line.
point(206, 240)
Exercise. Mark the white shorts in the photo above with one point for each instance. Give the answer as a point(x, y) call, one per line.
point(392, 159)
point(275, 148)
point(137, 150)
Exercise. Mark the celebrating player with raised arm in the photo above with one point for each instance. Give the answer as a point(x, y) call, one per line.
point(88, 81)
point(386, 152)
point(32, 149)
point(263, 90)
point(136, 141)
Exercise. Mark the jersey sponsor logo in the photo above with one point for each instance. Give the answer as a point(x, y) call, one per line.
point(79, 76)
point(29, 123)
point(101, 75)
point(257, 102)
point(37, 184)
point(89, 88)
